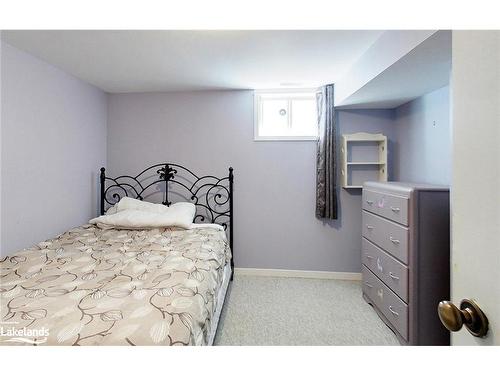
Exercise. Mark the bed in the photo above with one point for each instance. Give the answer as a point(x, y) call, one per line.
point(94, 285)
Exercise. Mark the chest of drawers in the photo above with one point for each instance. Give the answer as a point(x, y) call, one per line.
point(406, 257)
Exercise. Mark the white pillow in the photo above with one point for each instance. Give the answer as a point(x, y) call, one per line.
point(112, 210)
point(127, 203)
point(207, 225)
point(180, 215)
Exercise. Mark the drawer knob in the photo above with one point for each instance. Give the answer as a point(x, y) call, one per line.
point(469, 314)
point(394, 241)
point(370, 227)
point(393, 276)
point(395, 313)
point(368, 285)
point(369, 202)
point(369, 257)
point(395, 209)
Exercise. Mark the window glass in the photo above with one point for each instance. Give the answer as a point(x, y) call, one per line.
point(274, 119)
point(286, 115)
point(304, 117)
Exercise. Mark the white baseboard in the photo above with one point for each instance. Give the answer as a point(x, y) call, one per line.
point(298, 273)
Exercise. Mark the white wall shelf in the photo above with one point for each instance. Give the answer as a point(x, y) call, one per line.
point(364, 158)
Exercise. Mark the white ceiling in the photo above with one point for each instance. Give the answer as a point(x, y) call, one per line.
point(424, 69)
point(142, 61)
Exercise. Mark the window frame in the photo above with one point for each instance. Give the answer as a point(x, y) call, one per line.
point(285, 95)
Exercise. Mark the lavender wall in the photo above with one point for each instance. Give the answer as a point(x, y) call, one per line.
point(209, 131)
point(52, 144)
point(423, 142)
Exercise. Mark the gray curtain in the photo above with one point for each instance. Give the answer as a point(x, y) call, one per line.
point(326, 189)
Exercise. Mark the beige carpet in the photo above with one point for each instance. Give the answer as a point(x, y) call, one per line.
point(293, 311)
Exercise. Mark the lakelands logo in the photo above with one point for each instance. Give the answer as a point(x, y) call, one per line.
point(23, 335)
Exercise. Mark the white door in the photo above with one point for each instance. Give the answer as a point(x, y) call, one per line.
point(475, 189)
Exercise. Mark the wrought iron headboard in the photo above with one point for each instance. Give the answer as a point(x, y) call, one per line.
point(212, 196)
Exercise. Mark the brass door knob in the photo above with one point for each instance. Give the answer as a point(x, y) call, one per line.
point(469, 314)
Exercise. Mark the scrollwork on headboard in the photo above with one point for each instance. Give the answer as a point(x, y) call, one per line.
point(212, 196)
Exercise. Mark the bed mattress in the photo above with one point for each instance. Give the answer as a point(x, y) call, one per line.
point(221, 297)
point(93, 286)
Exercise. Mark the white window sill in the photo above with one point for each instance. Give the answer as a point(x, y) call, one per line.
point(284, 138)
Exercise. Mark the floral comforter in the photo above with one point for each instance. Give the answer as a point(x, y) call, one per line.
point(93, 286)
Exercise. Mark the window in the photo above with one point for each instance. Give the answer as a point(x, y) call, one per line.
point(286, 115)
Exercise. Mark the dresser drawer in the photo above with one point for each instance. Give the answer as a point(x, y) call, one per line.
point(389, 206)
point(392, 272)
point(389, 304)
point(390, 236)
